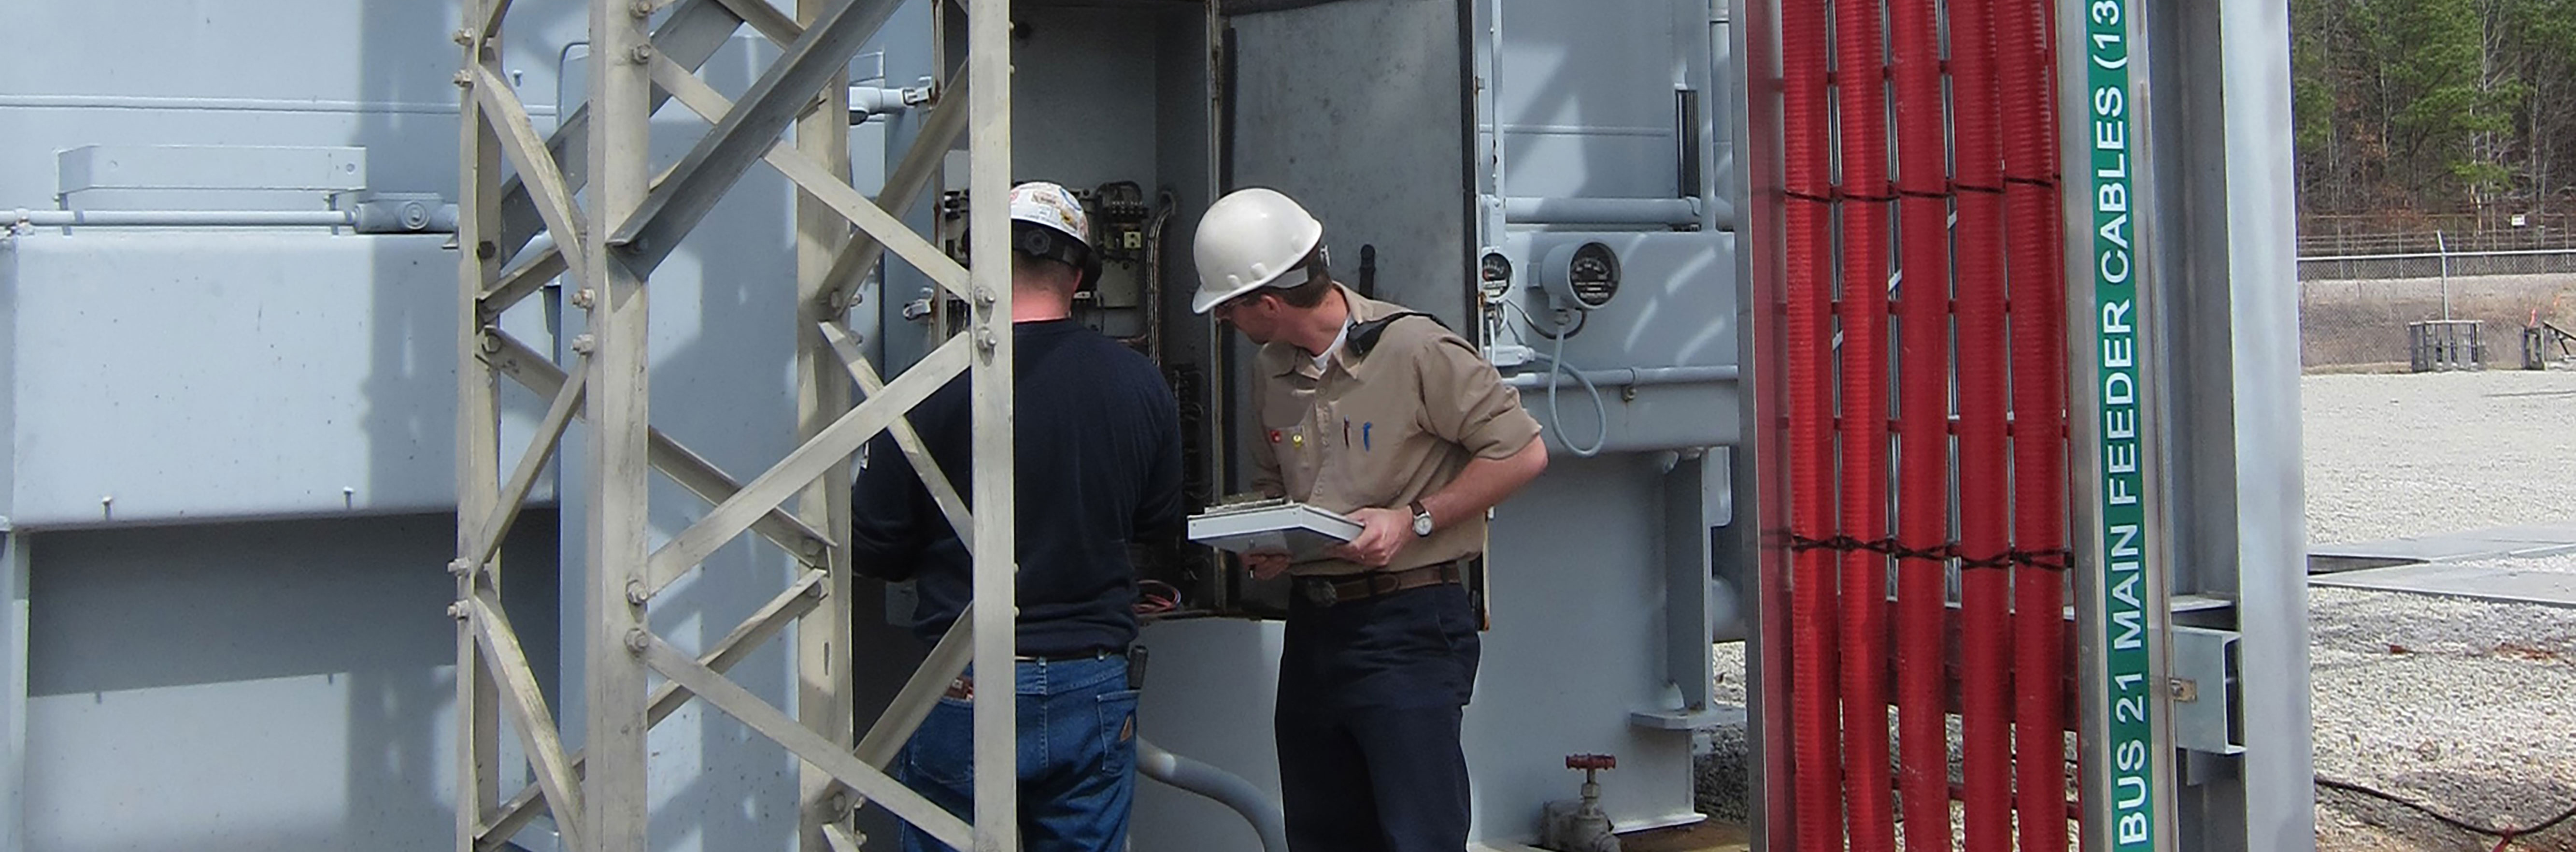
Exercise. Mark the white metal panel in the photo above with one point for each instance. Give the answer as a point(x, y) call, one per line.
point(170, 376)
point(317, 168)
point(245, 687)
point(149, 72)
point(1584, 93)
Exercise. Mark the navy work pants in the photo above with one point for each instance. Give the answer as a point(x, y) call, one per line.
point(1370, 697)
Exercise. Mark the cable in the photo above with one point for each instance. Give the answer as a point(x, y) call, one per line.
point(1581, 318)
point(1600, 410)
point(1556, 364)
point(1150, 603)
point(2505, 837)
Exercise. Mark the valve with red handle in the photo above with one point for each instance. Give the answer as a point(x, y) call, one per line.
point(1581, 826)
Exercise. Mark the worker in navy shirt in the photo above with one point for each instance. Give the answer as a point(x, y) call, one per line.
point(1098, 465)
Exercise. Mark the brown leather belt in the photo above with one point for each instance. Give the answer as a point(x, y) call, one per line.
point(1327, 591)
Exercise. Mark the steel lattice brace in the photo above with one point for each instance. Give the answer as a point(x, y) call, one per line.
point(524, 231)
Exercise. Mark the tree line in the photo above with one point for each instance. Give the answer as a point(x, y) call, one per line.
point(2413, 109)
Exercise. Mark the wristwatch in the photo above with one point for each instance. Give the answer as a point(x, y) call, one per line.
point(1421, 519)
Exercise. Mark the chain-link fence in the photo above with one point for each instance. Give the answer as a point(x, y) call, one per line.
point(2356, 248)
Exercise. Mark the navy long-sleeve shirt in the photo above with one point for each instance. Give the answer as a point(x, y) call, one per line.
point(1099, 464)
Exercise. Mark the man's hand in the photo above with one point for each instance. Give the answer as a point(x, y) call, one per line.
point(1265, 565)
point(1383, 532)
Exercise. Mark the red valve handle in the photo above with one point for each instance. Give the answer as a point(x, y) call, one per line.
point(1591, 761)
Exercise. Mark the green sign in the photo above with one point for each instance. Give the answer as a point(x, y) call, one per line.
point(2130, 684)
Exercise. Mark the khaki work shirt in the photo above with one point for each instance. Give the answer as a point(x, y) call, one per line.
point(1383, 430)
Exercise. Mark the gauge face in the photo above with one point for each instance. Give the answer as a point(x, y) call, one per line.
point(1593, 275)
point(1495, 268)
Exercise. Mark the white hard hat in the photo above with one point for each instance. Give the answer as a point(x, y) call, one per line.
point(1249, 239)
point(1052, 206)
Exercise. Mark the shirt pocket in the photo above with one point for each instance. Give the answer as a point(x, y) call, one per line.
point(1382, 457)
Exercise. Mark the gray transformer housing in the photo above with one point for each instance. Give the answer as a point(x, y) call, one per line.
point(230, 489)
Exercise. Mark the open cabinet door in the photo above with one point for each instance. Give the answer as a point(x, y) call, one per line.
point(1359, 110)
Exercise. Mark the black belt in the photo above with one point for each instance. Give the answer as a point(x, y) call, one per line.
point(1329, 591)
point(963, 688)
point(1069, 656)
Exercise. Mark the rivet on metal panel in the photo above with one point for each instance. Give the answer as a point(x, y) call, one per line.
point(583, 343)
point(641, 54)
point(636, 594)
point(462, 37)
point(818, 590)
point(637, 640)
point(584, 298)
point(640, 8)
point(464, 79)
point(456, 610)
point(2183, 690)
point(459, 566)
point(485, 249)
point(492, 340)
point(841, 806)
point(986, 342)
point(984, 297)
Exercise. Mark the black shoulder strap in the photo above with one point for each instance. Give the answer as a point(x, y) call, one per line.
point(1364, 335)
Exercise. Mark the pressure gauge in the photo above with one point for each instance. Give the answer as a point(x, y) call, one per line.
point(1582, 276)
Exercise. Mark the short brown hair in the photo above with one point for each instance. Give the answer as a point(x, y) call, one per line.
point(1318, 281)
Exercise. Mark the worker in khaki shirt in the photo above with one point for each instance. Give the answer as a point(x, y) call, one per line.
point(1382, 414)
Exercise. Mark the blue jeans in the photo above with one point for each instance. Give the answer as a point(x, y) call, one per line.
point(1077, 757)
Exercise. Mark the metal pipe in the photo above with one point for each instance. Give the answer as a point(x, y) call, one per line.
point(1225, 787)
point(1614, 211)
point(394, 217)
point(1637, 376)
point(186, 218)
point(868, 102)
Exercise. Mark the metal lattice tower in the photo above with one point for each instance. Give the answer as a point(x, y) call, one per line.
point(521, 227)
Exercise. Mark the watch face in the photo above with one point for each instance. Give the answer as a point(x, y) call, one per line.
point(1422, 524)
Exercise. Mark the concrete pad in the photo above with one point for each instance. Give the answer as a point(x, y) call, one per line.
point(2526, 540)
point(2516, 580)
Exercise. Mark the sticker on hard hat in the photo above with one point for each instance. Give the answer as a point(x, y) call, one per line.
point(1050, 205)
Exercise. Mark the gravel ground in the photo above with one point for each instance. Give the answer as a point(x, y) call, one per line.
point(2466, 706)
point(2390, 456)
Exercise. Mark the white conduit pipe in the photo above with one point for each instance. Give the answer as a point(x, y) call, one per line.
point(1225, 787)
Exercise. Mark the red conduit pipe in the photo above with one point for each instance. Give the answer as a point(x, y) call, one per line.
point(2037, 293)
point(1983, 490)
point(1923, 406)
point(1861, 95)
point(1807, 172)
